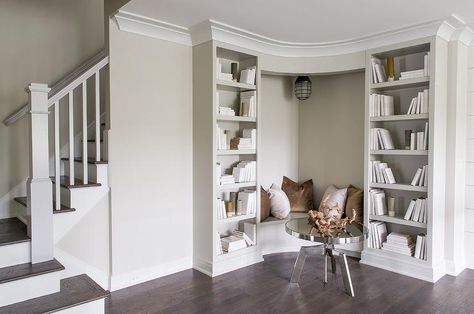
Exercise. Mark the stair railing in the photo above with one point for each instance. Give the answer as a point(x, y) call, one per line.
point(42, 100)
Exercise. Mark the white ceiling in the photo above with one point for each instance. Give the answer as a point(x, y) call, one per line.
point(305, 21)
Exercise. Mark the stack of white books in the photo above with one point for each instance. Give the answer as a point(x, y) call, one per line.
point(243, 235)
point(233, 243)
point(378, 203)
point(248, 104)
point(399, 243)
point(380, 139)
point(245, 171)
point(221, 212)
point(417, 210)
point(219, 245)
point(247, 76)
point(381, 173)
point(420, 248)
point(378, 71)
point(226, 111)
point(221, 139)
point(419, 140)
point(381, 105)
point(427, 64)
point(377, 234)
point(227, 179)
point(252, 135)
point(249, 201)
point(421, 177)
point(221, 75)
point(412, 74)
point(420, 103)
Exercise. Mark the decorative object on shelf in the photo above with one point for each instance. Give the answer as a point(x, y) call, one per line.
point(300, 195)
point(327, 225)
point(303, 87)
point(391, 206)
point(229, 206)
point(408, 139)
point(234, 69)
point(390, 69)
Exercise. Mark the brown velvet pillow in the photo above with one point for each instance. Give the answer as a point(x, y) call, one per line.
point(300, 195)
point(355, 200)
point(264, 204)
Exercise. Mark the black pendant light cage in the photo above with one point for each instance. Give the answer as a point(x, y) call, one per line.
point(302, 87)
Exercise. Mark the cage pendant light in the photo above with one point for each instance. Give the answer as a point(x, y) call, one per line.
point(302, 87)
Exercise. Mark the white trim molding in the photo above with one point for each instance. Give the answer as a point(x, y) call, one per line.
point(451, 28)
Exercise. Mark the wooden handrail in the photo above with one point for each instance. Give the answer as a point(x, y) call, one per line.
point(68, 83)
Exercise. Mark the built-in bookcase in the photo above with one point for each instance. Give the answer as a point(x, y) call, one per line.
point(210, 92)
point(404, 163)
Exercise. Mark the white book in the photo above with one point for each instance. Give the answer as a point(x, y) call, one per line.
point(423, 248)
point(233, 243)
point(425, 101)
point(422, 177)
point(381, 233)
point(410, 108)
point(416, 178)
point(425, 137)
point(417, 210)
point(418, 246)
point(386, 139)
point(409, 211)
point(425, 181)
point(418, 104)
point(389, 176)
point(413, 141)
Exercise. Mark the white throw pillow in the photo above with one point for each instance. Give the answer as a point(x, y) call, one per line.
point(334, 198)
point(279, 202)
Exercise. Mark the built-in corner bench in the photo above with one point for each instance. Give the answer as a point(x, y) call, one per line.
point(274, 239)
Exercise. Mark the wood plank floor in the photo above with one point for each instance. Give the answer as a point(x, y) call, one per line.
point(265, 288)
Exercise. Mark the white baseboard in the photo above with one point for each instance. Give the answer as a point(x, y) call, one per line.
point(121, 281)
point(75, 266)
point(202, 266)
point(455, 268)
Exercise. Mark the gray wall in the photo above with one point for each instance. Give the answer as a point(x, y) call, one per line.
point(331, 132)
point(150, 156)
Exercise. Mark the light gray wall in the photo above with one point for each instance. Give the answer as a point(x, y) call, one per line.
point(279, 130)
point(41, 41)
point(469, 214)
point(150, 154)
point(331, 132)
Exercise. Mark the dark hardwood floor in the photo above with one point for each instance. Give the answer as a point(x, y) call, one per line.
point(265, 288)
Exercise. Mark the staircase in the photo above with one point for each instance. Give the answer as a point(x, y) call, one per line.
point(66, 181)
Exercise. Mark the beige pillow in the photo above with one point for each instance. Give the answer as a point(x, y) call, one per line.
point(279, 203)
point(300, 195)
point(333, 202)
point(355, 200)
point(265, 204)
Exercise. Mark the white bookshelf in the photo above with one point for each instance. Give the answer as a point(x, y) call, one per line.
point(207, 190)
point(409, 56)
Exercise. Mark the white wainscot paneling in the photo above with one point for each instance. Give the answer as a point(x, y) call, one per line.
point(470, 127)
point(470, 150)
point(470, 197)
point(470, 103)
point(469, 220)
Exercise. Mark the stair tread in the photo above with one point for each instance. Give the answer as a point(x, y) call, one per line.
point(93, 141)
point(74, 291)
point(90, 160)
point(64, 209)
point(22, 271)
point(78, 183)
point(12, 230)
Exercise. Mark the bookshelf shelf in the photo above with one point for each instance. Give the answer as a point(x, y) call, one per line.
point(398, 220)
point(236, 218)
point(237, 85)
point(400, 187)
point(402, 117)
point(233, 186)
point(235, 118)
point(399, 84)
point(236, 152)
point(400, 152)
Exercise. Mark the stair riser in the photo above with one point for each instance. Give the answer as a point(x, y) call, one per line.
point(13, 254)
point(95, 173)
point(94, 307)
point(28, 288)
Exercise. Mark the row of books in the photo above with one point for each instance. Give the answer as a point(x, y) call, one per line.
point(417, 210)
point(381, 173)
point(417, 140)
point(381, 105)
point(380, 139)
point(420, 103)
point(247, 141)
point(378, 203)
point(248, 104)
point(420, 248)
point(379, 74)
point(245, 171)
point(249, 201)
point(421, 177)
point(222, 139)
point(399, 243)
point(377, 234)
point(378, 71)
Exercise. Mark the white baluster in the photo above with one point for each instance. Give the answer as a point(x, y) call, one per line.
point(84, 132)
point(97, 117)
point(71, 139)
point(57, 157)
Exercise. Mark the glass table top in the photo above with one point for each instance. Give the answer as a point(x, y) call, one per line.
point(300, 228)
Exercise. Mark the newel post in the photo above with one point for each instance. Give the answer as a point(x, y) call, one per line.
point(39, 186)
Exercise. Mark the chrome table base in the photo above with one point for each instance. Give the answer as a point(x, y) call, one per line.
point(327, 251)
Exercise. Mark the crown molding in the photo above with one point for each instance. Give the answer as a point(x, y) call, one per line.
point(142, 25)
point(451, 28)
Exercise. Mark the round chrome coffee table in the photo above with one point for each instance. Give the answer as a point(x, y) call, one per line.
point(301, 229)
